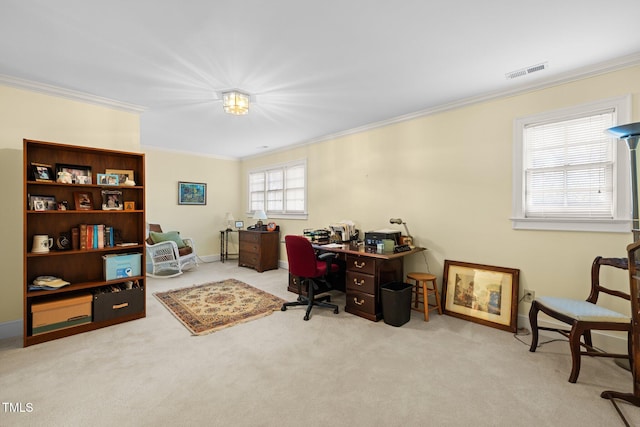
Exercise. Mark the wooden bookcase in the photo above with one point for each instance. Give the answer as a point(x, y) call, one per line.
point(83, 268)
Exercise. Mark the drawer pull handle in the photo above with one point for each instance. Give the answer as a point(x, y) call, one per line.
point(359, 265)
point(123, 305)
point(355, 300)
point(355, 282)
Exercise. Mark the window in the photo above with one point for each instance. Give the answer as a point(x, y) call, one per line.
point(569, 173)
point(280, 190)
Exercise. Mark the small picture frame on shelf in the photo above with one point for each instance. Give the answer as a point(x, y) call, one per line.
point(83, 200)
point(79, 174)
point(42, 203)
point(239, 225)
point(108, 179)
point(42, 172)
point(129, 205)
point(112, 200)
point(125, 176)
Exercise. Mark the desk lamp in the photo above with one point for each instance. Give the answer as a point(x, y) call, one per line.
point(409, 238)
point(230, 219)
point(259, 215)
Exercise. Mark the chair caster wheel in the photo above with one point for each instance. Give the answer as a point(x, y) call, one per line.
point(306, 317)
point(283, 308)
point(335, 311)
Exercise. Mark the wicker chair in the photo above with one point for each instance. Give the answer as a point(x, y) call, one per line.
point(165, 257)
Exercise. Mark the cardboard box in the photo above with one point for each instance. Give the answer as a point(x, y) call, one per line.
point(110, 305)
point(118, 266)
point(60, 313)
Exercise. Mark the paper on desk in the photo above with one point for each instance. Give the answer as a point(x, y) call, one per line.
point(332, 245)
point(386, 230)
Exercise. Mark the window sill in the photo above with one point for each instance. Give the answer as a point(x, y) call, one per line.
point(555, 224)
point(302, 216)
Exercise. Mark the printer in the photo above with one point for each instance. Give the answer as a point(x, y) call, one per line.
point(373, 238)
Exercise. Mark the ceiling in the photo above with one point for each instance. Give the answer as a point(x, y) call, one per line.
point(313, 69)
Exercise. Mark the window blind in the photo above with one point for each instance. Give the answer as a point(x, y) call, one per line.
point(279, 190)
point(569, 168)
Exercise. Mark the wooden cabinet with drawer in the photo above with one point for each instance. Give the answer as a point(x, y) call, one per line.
point(365, 275)
point(259, 250)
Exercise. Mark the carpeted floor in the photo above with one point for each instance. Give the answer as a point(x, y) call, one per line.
point(207, 308)
point(335, 369)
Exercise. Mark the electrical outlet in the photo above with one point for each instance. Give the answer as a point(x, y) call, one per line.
point(529, 295)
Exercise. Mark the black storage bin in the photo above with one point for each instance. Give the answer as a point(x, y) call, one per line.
point(110, 304)
point(396, 303)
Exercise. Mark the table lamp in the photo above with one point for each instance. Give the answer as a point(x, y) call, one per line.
point(259, 215)
point(229, 217)
point(409, 238)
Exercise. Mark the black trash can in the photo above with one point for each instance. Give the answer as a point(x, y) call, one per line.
point(396, 303)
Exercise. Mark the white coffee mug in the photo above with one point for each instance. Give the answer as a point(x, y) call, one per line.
point(42, 243)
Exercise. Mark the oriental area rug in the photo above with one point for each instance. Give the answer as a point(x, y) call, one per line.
point(213, 306)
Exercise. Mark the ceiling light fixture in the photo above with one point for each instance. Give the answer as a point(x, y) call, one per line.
point(235, 102)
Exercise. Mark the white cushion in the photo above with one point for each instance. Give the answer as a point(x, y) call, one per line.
point(583, 310)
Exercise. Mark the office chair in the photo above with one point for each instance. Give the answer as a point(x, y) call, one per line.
point(583, 317)
point(313, 271)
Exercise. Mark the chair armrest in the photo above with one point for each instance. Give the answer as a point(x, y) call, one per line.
point(189, 242)
point(163, 249)
point(326, 255)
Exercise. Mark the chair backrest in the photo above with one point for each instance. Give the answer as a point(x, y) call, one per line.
point(302, 257)
point(155, 227)
point(597, 287)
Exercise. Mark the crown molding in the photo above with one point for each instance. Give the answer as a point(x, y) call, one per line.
point(574, 75)
point(71, 94)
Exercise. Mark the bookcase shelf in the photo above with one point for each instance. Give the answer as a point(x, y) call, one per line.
point(82, 268)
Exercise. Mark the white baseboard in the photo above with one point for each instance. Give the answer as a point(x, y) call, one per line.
point(11, 329)
point(209, 258)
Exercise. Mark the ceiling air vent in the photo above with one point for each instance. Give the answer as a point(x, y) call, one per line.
point(528, 70)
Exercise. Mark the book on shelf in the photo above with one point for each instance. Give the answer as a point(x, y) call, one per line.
point(93, 236)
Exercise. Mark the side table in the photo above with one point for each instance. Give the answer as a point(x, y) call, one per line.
point(224, 244)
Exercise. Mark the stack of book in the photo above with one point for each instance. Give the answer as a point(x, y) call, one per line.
point(92, 236)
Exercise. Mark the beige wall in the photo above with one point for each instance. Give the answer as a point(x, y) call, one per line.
point(203, 223)
point(26, 114)
point(449, 176)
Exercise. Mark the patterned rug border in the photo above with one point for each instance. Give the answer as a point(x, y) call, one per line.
point(169, 299)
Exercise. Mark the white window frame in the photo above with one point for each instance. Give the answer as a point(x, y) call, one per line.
point(621, 222)
point(284, 214)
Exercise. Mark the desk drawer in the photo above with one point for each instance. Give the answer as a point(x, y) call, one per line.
point(361, 282)
point(248, 259)
point(250, 247)
point(359, 301)
point(361, 264)
point(248, 236)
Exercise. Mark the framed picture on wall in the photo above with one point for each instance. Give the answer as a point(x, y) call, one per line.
point(481, 293)
point(192, 193)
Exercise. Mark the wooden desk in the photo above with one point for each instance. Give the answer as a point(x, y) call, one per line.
point(366, 273)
